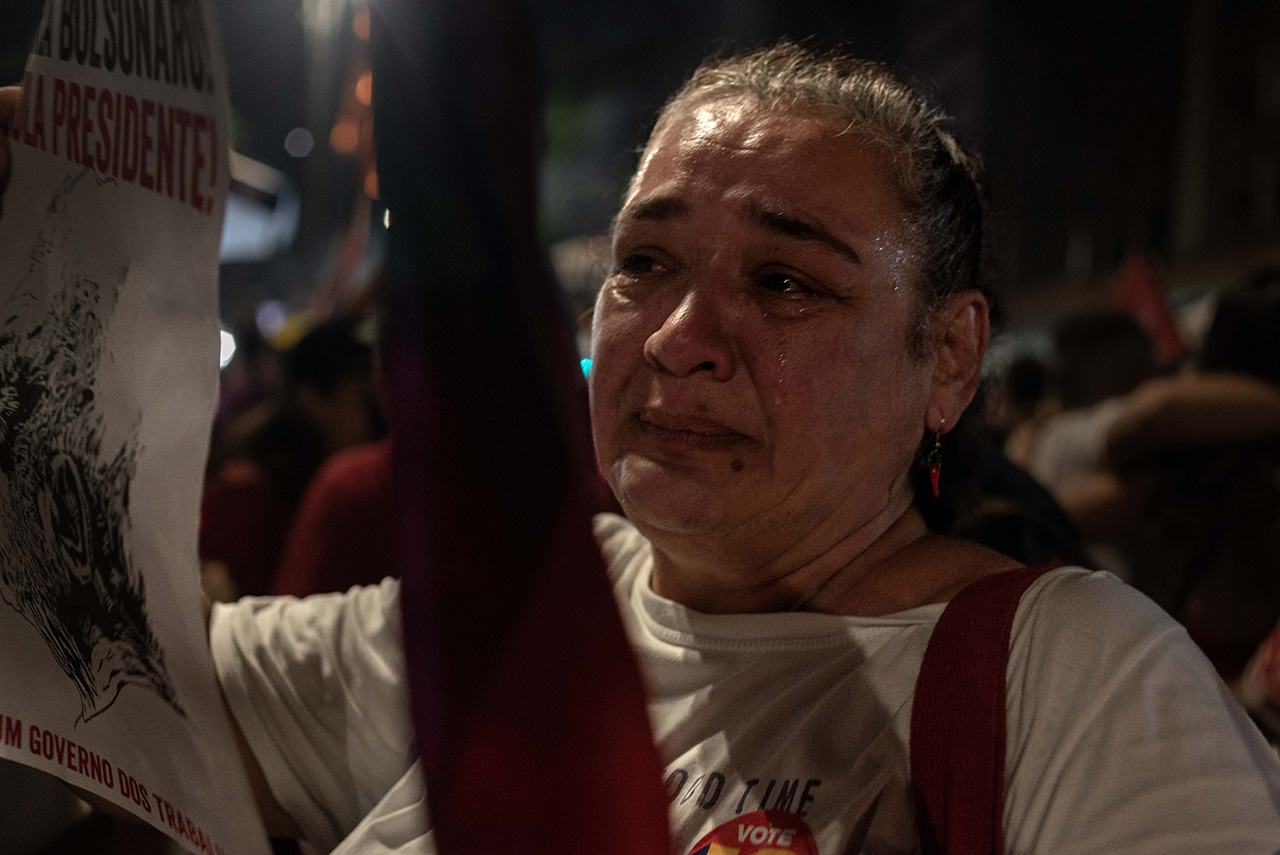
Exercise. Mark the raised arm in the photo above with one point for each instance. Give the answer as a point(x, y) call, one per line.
point(1189, 411)
point(276, 819)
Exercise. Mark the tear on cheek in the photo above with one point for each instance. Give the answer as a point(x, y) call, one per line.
point(735, 464)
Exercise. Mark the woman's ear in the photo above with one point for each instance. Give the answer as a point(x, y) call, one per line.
point(961, 328)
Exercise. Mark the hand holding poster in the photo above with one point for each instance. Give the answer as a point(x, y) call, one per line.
point(108, 373)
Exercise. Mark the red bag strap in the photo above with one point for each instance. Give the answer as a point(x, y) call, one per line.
point(958, 718)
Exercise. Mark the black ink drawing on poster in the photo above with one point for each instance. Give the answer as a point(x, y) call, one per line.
point(65, 564)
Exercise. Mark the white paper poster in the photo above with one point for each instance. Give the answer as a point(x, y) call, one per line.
point(108, 378)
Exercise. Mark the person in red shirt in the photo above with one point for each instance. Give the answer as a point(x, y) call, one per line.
point(341, 535)
point(252, 497)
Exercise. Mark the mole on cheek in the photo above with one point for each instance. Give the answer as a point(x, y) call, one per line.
point(735, 465)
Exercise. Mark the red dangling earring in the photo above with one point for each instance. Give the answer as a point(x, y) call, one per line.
point(934, 461)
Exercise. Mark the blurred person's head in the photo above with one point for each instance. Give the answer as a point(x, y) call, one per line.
point(329, 373)
point(1100, 354)
point(1013, 396)
point(1245, 333)
point(254, 373)
point(796, 301)
point(1025, 383)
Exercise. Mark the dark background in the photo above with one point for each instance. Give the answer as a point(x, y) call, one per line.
point(1108, 127)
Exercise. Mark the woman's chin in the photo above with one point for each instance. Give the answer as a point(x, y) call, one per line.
point(660, 498)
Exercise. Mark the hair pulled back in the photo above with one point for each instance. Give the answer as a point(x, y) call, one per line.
point(939, 183)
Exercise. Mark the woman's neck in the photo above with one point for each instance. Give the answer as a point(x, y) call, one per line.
point(891, 564)
point(766, 568)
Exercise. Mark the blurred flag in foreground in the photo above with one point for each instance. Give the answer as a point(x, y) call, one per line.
point(529, 707)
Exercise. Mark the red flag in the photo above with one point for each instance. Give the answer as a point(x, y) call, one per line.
point(1137, 290)
point(529, 708)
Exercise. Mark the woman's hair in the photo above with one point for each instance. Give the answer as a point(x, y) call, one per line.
point(939, 183)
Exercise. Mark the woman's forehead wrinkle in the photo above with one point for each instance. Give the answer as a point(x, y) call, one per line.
point(736, 153)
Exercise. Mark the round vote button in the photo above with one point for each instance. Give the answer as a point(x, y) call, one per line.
point(764, 832)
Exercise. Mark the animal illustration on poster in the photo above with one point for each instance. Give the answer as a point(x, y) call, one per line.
point(65, 563)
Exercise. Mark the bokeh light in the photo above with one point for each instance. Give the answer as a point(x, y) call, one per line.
point(299, 142)
point(360, 24)
point(227, 348)
point(270, 318)
point(344, 138)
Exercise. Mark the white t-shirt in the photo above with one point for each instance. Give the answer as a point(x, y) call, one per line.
point(318, 689)
point(789, 731)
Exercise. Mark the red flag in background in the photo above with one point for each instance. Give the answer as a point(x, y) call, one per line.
point(1136, 289)
point(529, 707)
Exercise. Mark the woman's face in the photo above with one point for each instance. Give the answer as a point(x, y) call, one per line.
point(752, 370)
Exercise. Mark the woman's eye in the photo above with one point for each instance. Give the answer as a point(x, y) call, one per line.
point(784, 283)
point(637, 263)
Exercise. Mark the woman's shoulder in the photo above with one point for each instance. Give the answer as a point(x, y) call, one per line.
point(1120, 734)
point(1084, 638)
point(1074, 601)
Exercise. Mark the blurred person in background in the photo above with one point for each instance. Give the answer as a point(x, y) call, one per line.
point(988, 499)
point(254, 376)
point(1099, 356)
point(341, 535)
point(1017, 396)
point(1190, 490)
point(273, 451)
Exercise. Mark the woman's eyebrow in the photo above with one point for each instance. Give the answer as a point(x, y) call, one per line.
point(656, 208)
point(792, 226)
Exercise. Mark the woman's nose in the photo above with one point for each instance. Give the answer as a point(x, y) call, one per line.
point(692, 339)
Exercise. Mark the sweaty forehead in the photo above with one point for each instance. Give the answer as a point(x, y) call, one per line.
point(726, 128)
point(740, 151)
point(742, 124)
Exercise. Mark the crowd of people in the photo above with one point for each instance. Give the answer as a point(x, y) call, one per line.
point(298, 494)
point(785, 357)
point(1168, 471)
